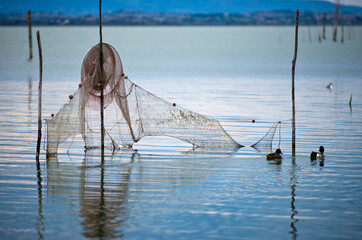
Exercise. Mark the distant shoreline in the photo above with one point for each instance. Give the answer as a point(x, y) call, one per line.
point(134, 18)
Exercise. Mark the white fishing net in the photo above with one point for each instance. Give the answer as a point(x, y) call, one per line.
point(265, 144)
point(130, 112)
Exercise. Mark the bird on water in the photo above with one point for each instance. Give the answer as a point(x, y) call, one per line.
point(319, 154)
point(275, 155)
point(330, 86)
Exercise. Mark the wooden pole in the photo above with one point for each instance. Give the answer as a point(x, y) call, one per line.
point(293, 72)
point(101, 80)
point(30, 36)
point(342, 24)
point(317, 19)
point(309, 29)
point(336, 22)
point(324, 25)
point(39, 96)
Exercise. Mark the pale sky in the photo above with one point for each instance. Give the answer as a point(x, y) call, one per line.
point(349, 2)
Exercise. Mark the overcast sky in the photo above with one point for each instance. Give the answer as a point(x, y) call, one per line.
point(349, 2)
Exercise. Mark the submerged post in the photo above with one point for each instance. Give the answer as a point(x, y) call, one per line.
point(101, 80)
point(293, 72)
point(39, 96)
point(30, 36)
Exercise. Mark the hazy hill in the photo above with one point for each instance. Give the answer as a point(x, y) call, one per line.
point(167, 6)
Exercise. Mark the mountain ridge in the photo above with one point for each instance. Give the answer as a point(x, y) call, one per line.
point(134, 18)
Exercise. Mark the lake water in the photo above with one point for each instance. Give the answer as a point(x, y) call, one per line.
point(162, 188)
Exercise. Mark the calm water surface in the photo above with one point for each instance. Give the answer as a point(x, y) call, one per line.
point(162, 189)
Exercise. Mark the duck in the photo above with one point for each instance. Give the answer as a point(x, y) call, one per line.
point(330, 86)
point(319, 154)
point(275, 155)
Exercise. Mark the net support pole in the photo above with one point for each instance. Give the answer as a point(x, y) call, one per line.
point(101, 80)
point(30, 36)
point(293, 86)
point(39, 96)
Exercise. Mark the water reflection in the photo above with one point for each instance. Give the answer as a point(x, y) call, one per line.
point(294, 220)
point(103, 200)
point(293, 182)
point(315, 161)
point(30, 89)
point(103, 189)
point(275, 162)
point(40, 226)
point(210, 152)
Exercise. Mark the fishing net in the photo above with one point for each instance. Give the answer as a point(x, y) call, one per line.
point(130, 112)
point(265, 144)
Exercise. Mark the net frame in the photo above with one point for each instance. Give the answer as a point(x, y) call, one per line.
point(130, 111)
point(265, 144)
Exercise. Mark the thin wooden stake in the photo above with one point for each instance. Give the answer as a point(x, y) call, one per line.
point(293, 73)
point(317, 19)
point(324, 25)
point(39, 96)
point(350, 101)
point(336, 22)
point(101, 80)
point(309, 30)
point(30, 36)
point(342, 23)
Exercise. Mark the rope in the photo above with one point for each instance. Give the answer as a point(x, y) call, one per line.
point(258, 121)
point(280, 134)
point(46, 131)
point(130, 91)
point(70, 144)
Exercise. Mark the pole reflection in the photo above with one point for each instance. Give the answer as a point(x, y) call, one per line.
point(293, 218)
point(40, 227)
point(103, 199)
point(30, 93)
point(101, 187)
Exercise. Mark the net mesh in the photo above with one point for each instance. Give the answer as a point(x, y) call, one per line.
point(265, 144)
point(130, 112)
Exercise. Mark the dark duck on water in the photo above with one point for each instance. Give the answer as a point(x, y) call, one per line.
point(275, 155)
point(319, 154)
